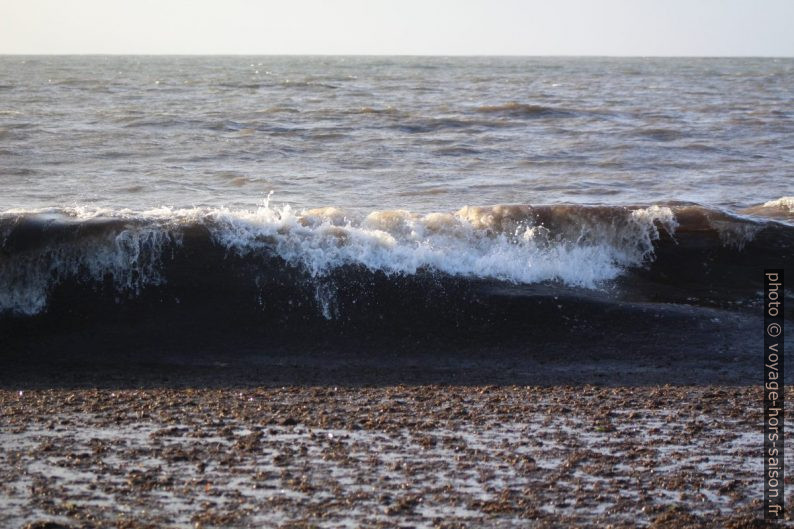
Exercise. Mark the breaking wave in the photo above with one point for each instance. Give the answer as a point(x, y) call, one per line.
point(127, 252)
point(520, 244)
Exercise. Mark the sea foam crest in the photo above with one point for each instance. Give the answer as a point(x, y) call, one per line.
point(502, 242)
point(779, 209)
point(783, 203)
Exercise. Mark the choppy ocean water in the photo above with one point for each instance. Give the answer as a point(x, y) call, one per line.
point(337, 188)
point(423, 134)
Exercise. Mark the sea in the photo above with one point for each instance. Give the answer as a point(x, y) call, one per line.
point(373, 192)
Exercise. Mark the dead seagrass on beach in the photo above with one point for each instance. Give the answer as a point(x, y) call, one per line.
point(395, 290)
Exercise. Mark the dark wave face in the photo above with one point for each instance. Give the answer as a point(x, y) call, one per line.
point(278, 278)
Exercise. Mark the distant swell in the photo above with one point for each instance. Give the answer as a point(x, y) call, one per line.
point(514, 109)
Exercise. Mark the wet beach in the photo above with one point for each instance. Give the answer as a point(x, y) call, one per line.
point(382, 456)
point(288, 444)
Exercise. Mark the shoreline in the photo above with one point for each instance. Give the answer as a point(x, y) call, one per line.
point(359, 370)
point(620, 431)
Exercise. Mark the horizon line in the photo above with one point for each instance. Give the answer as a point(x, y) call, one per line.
point(431, 55)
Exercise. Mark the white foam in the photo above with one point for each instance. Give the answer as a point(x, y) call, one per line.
point(784, 203)
point(401, 242)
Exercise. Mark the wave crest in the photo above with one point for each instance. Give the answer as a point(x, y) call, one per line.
point(781, 208)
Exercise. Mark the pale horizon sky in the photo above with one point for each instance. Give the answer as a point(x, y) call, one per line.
point(406, 27)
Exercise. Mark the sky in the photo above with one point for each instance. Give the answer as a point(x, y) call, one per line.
point(412, 27)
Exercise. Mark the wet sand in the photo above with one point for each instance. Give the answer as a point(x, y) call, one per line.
point(383, 455)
